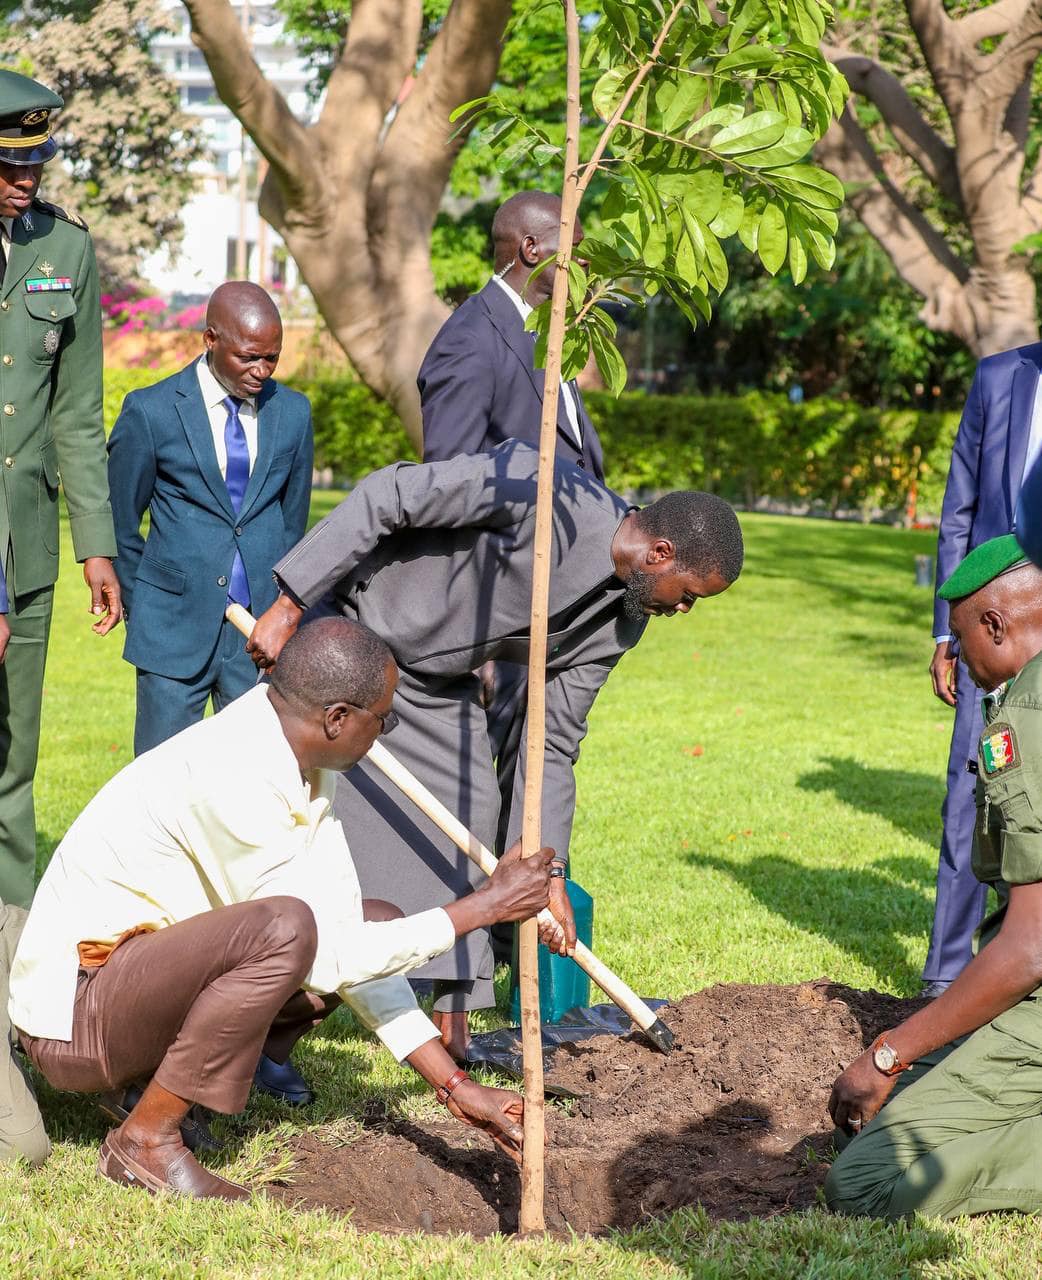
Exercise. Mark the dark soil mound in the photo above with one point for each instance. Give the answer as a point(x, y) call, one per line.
point(733, 1119)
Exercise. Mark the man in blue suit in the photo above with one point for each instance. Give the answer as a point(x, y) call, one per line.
point(999, 437)
point(220, 456)
point(478, 382)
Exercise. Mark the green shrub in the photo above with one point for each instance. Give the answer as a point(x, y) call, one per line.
point(826, 454)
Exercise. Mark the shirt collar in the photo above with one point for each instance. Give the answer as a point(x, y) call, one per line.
point(8, 224)
point(214, 393)
point(284, 772)
point(523, 309)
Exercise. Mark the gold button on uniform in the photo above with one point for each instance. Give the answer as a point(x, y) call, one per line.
point(5, 306)
point(8, 409)
point(8, 359)
point(54, 314)
point(9, 462)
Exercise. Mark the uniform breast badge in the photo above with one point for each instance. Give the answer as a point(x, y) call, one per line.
point(50, 341)
point(999, 750)
point(46, 269)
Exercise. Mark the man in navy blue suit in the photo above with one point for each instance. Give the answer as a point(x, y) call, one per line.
point(999, 437)
point(220, 457)
point(478, 382)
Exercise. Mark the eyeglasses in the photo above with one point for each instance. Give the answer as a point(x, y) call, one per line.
point(388, 721)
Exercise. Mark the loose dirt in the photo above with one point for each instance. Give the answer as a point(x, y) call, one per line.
point(733, 1119)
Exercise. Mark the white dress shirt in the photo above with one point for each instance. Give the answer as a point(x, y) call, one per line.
point(217, 411)
point(568, 393)
point(216, 815)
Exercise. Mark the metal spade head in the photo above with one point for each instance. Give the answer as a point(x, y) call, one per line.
point(660, 1036)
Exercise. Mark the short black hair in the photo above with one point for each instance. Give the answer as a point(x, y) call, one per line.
point(703, 529)
point(332, 660)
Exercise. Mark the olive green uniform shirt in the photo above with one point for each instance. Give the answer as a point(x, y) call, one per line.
point(1007, 846)
point(51, 399)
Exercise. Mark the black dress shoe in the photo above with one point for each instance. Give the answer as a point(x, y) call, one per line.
point(195, 1130)
point(283, 1082)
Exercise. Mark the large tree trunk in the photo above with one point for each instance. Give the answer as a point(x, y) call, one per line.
point(985, 297)
point(355, 196)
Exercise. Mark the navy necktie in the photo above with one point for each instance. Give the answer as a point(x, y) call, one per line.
point(236, 477)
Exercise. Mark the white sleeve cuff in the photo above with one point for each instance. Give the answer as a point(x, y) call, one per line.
point(941, 639)
point(388, 1008)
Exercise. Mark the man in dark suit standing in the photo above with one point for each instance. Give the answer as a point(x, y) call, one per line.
point(220, 456)
point(478, 382)
point(999, 437)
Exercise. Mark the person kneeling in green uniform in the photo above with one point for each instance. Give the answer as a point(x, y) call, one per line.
point(962, 1130)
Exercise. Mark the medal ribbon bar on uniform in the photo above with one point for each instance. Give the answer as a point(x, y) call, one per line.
point(59, 284)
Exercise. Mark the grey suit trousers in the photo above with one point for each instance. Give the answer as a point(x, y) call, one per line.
point(400, 855)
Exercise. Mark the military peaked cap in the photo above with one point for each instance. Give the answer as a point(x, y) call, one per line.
point(25, 119)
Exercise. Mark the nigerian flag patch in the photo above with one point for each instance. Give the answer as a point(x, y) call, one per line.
point(998, 749)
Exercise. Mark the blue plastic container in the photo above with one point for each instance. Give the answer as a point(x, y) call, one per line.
point(562, 984)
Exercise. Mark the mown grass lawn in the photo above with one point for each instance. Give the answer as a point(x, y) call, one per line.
point(758, 802)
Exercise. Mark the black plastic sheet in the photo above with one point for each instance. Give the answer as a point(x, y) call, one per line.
point(502, 1049)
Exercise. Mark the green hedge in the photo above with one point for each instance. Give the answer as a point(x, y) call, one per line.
point(826, 454)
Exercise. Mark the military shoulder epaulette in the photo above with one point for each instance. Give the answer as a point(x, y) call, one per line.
point(47, 207)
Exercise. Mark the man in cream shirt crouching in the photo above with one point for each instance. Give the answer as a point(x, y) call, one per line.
point(204, 907)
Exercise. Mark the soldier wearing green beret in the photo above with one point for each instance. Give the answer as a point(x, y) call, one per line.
point(50, 431)
point(962, 1078)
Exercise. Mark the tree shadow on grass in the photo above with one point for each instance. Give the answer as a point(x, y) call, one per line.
point(867, 912)
point(911, 801)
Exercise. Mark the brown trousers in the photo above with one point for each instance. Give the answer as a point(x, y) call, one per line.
point(193, 1005)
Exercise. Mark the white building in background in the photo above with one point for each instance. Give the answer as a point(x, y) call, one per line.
point(218, 214)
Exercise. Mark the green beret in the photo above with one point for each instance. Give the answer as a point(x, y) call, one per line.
point(25, 119)
point(982, 564)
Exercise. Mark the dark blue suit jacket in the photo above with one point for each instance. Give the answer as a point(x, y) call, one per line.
point(162, 459)
point(479, 386)
point(987, 467)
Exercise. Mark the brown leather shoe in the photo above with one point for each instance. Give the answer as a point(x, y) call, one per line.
point(183, 1175)
point(195, 1128)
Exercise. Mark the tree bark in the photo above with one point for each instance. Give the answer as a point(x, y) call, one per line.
point(984, 296)
point(356, 194)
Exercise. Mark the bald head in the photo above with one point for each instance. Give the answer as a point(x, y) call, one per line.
point(332, 660)
point(525, 232)
point(999, 627)
point(243, 337)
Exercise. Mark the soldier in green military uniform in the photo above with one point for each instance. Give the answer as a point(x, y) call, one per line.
point(50, 431)
point(962, 1130)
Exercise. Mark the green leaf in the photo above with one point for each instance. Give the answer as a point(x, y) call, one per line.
point(794, 145)
point(810, 184)
point(790, 103)
point(623, 19)
point(608, 91)
point(760, 129)
point(614, 202)
point(716, 263)
point(705, 192)
point(575, 352)
point(749, 227)
point(822, 248)
point(464, 107)
point(688, 98)
point(772, 238)
point(655, 245)
point(515, 152)
point(797, 260)
point(578, 285)
point(684, 300)
point(609, 361)
point(728, 113)
point(496, 132)
point(545, 152)
point(727, 221)
point(688, 259)
point(750, 56)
